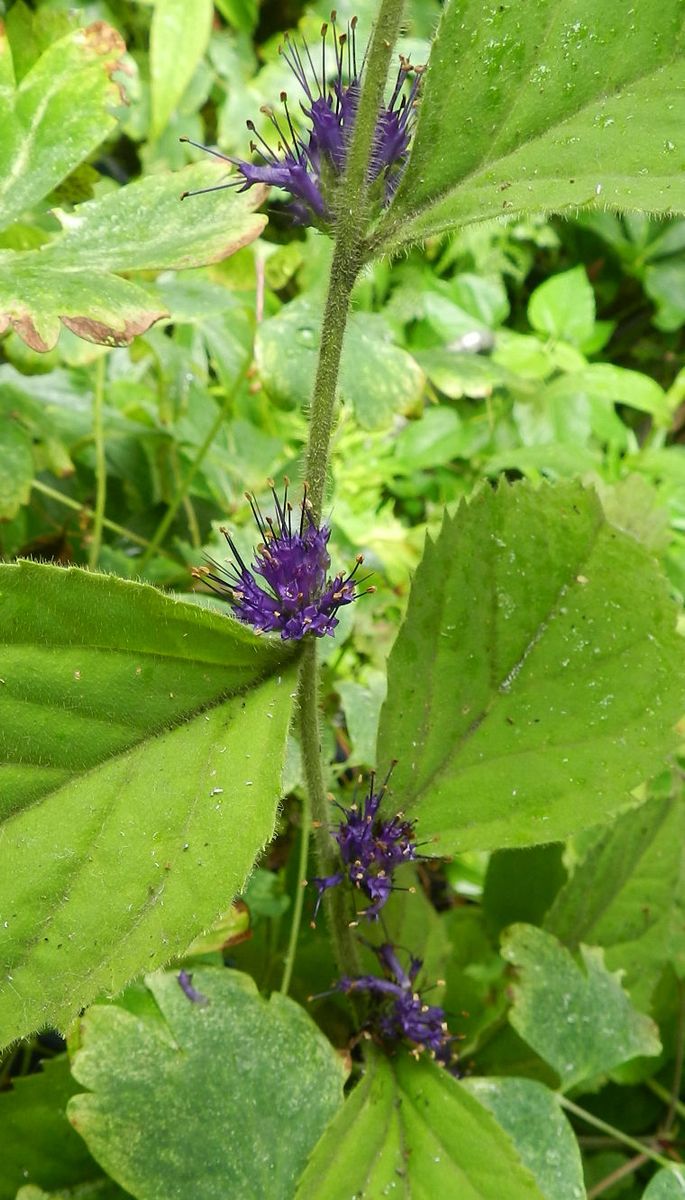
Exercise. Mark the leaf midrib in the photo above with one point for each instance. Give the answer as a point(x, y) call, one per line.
point(386, 231)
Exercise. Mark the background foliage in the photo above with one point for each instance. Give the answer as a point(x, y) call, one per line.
point(137, 404)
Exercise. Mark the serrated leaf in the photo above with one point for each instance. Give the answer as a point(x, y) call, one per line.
point(58, 114)
point(39, 1145)
point(626, 896)
point(531, 1115)
point(545, 106)
point(537, 676)
point(179, 35)
point(578, 1018)
point(409, 1130)
point(377, 378)
point(206, 1100)
point(142, 742)
point(142, 227)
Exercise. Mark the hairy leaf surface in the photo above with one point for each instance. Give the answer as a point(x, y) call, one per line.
point(206, 1100)
point(142, 741)
point(537, 676)
point(549, 105)
point(412, 1131)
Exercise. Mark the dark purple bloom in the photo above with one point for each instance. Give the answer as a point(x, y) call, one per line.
point(399, 1011)
point(371, 848)
point(309, 162)
point(287, 588)
point(185, 982)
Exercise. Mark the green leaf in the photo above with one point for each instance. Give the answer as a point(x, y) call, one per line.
point(209, 1101)
point(668, 1184)
point(410, 1130)
point(377, 378)
point(626, 896)
point(537, 675)
point(101, 1189)
point(546, 107)
point(58, 114)
point(16, 468)
point(141, 743)
point(179, 36)
point(141, 227)
point(505, 901)
point(531, 1115)
point(39, 1145)
point(578, 1019)
point(564, 307)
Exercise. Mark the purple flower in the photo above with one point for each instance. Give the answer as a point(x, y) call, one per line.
point(309, 162)
point(399, 1011)
point(286, 589)
point(185, 982)
point(371, 848)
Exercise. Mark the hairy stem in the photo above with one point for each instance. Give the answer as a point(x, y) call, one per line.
point(100, 463)
point(352, 218)
point(336, 903)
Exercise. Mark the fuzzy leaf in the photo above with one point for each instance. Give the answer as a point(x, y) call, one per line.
point(142, 227)
point(209, 1101)
point(537, 676)
point(666, 1185)
point(16, 468)
point(133, 798)
point(578, 1018)
point(409, 1130)
point(544, 107)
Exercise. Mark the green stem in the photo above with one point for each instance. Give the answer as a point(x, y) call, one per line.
point(306, 821)
point(618, 1134)
point(67, 501)
point(352, 219)
point(100, 463)
point(182, 490)
point(336, 905)
point(667, 1097)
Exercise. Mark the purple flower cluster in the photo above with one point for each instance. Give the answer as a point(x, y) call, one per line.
point(399, 1010)
point(286, 589)
point(309, 163)
point(371, 848)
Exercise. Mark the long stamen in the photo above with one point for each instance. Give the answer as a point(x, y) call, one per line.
point(207, 149)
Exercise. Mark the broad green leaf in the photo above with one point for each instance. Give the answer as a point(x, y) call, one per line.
point(564, 307)
point(209, 1101)
point(58, 114)
point(142, 741)
point(179, 35)
point(409, 1130)
point(537, 675)
point(666, 1185)
point(626, 895)
point(16, 467)
point(39, 1145)
point(548, 105)
point(531, 1115)
point(377, 378)
point(578, 1018)
point(505, 901)
point(142, 227)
